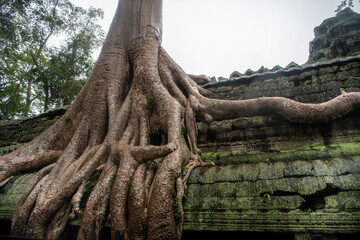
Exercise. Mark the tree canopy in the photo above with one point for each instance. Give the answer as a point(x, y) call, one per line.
point(344, 4)
point(35, 76)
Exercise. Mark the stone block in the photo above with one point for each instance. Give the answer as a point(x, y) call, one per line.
point(322, 169)
point(229, 173)
point(298, 168)
point(209, 176)
point(349, 182)
point(344, 200)
point(270, 171)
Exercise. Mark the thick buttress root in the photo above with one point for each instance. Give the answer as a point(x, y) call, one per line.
point(139, 130)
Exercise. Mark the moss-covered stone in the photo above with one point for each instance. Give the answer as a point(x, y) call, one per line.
point(305, 152)
point(301, 195)
point(272, 221)
point(336, 37)
point(330, 69)
point(10, 195)
point(308, 74)
point(343, 200)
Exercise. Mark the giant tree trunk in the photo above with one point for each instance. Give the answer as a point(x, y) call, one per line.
point(129, 123)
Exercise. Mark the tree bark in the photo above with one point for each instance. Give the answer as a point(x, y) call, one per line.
point(128, 123)
point(28, 97)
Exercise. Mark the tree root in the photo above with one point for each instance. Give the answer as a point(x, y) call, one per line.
point(10, 167)
point(4, 182)
point(75, 202)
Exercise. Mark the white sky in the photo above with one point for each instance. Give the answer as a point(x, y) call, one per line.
point(217, 37)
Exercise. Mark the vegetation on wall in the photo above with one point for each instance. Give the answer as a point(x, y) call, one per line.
point(344, 4)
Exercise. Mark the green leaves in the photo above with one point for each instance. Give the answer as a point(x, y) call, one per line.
point(34, 76)
point(344, 4)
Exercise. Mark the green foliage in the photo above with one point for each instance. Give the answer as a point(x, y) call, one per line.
point(304, 83)
point(344, 4)
point(33, 75)
point(10, 29)
point(309, 210)
point(184, 130)
point(176, 208)
point(213, 156)
point(154, 164)
point(90, 184)
point(307, 157)
point(267, 197)
point(186, 193)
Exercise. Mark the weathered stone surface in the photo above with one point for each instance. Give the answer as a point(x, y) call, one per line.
point(316, 82)
point(292, 65)
point(273, 138)
point(322, 195)
point(14, 133)
point(10, 195)
point(272, 221)
point(343, 200)
point(336, 37)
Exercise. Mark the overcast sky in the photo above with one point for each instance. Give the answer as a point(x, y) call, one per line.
point(217, 37)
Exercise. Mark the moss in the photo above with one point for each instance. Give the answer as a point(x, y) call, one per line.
point(153, 163)
point(271, 81)
point(325, 70)
point(352, 65)
point(227, 97)
point(176, 208)
point(308, 74)
point(305, 152)
point(90, 184)
point(304, 83)
point(10, 148)
point(212, 156)
point(344, 149)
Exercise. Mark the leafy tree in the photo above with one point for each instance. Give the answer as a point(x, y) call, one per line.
point(69, 66)
point(27, 59)
point(11, 10)
point(137, 107)
point(344, 4)
point(12, 32)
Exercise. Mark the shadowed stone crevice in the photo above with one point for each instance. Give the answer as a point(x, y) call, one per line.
point(316, 201)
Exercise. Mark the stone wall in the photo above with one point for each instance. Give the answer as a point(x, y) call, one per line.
point(14, 133)
point(336, 37)
point(272, 175)
point(312, 83)
point(316, 196)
